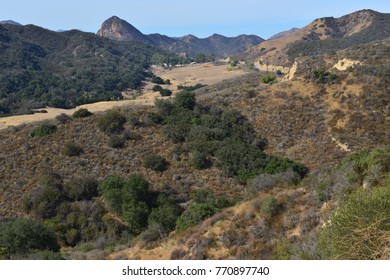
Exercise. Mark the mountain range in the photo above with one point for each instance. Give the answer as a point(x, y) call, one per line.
point(118, 29)
point(323, 35)
point(40, 67)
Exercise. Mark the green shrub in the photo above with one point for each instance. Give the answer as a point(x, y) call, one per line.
point(177, 151)
point(152, 233)
point(269, 207)
point(133, 119)
point(71, 150)
point(359, 230)
point(111, 189)
point(22, 236)
point(157, 88)
point(156, 163)
point(165, 92)
point(82, 113)
point(157, 80)
point(43, 130)
point(366, 166)
point(190, 88)
point(322, 76)
point(112, 122)
point(63, 118)
point(135, 209)
point(45, 200)
point(193, 215)
point(185, 99)
point(268, 79)
point(200, 160)
point(244, 175)
point(282, 249)
point(155, 118)
point(165, 215)
point(116, 141)
point(136, 216)
point(163, 107)
point(204, 205)
point(278, 165)
point(129, 199)
point(83, 188)
point(234, 155)
point(83, 221)
point(178, 125)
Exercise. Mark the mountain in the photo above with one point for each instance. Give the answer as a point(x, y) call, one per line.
point(283, 34)
point(119, 30)
point(40, 67)
point(11, 22)
point(324, 35)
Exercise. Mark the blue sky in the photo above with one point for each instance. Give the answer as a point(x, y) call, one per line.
point(180, 17)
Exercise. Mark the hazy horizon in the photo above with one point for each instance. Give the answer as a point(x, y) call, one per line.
point(177, 18)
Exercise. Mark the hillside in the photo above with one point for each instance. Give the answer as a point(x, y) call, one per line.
point(324, 35)
point(283, 34)
point(234, 163)
point(231, 186)
point(117, 29)
point(44, 68)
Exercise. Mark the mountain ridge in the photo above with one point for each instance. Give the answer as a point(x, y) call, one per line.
point(283, 33)
point(324, 34)
point(40, 67)
point(118, 29)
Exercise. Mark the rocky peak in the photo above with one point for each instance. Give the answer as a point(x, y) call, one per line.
point(118, 29)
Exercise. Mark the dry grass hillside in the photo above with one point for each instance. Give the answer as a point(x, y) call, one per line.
point(321, 120)
point(25, 159)
point(323, 35)
point(218, 183)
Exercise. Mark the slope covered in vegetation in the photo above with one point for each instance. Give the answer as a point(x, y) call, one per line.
point(41, 68)
point(299, 169)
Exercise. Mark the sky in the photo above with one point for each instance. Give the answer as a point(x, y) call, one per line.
point(177, 18)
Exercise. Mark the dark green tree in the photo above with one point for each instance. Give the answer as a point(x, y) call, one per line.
point(156, 163)
point(112, 122)
point(185, 99)
point(22, 236)
point(111, 189)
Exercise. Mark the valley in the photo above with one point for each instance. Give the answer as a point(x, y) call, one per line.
point(189, 75)
point(235, 148)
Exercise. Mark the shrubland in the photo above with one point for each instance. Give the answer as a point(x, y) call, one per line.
point(237, 170)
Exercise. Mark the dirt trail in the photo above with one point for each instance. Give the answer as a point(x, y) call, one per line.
point(207, 73)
